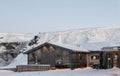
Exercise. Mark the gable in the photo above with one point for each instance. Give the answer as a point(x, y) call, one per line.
point(63, 46)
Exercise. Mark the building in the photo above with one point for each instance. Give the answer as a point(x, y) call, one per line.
point(58, 55)
point(107, 57)
point(73, 56)
point(53, 55)
point(48, 56)
point(111, 56)
point(94, 59)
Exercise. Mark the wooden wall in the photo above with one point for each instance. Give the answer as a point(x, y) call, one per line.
point(112, 59)
point(49, 55)
point(57, 57)
point(79, 59)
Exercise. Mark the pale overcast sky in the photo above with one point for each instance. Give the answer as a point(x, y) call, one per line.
point(32, 16)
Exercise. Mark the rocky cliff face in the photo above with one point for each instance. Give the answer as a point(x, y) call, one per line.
point(9, 51)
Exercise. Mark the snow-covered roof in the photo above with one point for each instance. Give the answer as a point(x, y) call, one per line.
point(111, 48)
point(71, 47)
point(76, 48)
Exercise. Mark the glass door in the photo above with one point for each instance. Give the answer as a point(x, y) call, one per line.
point(109, 58)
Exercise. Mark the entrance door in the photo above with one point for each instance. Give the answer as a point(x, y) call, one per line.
point(109, 59)
point(52, 59)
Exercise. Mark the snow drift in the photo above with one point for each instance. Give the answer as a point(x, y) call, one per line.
point(21, 59)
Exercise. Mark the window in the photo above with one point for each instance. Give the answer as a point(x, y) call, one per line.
point(116, 56)
point(52, 49)
point(45, 49)
point(95, 57)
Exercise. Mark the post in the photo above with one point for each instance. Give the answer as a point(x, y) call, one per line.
point(88, 60)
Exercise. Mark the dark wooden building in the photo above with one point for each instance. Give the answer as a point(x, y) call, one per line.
point(111, 56)
point(94, 58)
point(48, 56)
point(73, 56)
point(58, 55)
point(107, 57)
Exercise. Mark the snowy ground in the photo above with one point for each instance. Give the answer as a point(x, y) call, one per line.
point(22, 58)
point(65, 72)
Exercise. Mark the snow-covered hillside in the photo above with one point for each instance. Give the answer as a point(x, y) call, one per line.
point(90, 38)
point(13, 37)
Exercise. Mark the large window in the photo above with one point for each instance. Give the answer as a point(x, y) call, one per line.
point(52, 50)
point(45, 49)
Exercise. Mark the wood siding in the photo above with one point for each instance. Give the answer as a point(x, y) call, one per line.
point(79, 60)
point(112, 59)
point(57, 57)
point(22, 68)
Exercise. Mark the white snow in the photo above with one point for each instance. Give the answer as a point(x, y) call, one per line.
point(21, 59)
point(65, 72)
point(72, 47)
point(90, 38)
point(68, 46)
point(2, 49)
point(13, 37)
